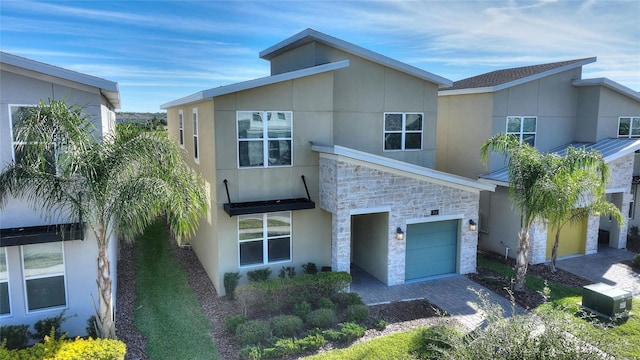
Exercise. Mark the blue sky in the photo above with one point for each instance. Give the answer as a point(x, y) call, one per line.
point(159, 51)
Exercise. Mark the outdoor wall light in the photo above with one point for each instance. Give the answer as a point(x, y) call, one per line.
point(399, 234)
point(472, 225)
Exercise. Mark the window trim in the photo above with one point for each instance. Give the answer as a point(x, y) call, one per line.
point(631, 119)
point(196, 134)
point(25, 278)
point(265, 241)
point(265, 140)
point(403, 131)
point(8, 281)
point(521, 133)
point(181, 128)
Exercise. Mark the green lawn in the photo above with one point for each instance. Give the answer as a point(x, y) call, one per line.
point(392, 347)
point(167, 311)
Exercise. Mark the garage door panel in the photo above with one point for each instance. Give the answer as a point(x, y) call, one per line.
point(431, 249)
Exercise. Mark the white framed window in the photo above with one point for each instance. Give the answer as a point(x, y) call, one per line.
point(196, 145)
point(629, 126)
point(5, 302)
point(264, 138)
point(403, 131)
point(44, 276)
point(181, 127)
point(523, 127)
point(16, 113)
point(264, 238)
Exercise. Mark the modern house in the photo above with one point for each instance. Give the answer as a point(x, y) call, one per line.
point(329, 159)
point(48, 264)
point(550, 107)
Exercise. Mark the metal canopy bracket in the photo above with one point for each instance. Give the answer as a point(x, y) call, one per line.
point(266, 206)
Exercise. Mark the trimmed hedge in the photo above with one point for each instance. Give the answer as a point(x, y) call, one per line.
point(285, 325)
point(64, 349)
point(322, 318)
point(253, 332)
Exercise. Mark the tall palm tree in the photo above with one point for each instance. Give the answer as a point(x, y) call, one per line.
point(118, 183)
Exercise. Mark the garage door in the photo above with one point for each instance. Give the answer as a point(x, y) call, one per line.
point(573, 238)
point(431, 249)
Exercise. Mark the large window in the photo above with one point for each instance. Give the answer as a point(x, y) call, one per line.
point(5, 305)
point(264, 138)
point(196, 148)
point(181, 126)
point(403, 131)
point(264, 238)
point(629, 126)
point(43, 269)
point(18, 112)
point(523, 127)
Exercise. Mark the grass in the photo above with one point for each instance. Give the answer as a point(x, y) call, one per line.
point(167, 311)
point(392, 347)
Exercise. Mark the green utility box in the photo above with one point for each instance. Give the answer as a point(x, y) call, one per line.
point(605, 299)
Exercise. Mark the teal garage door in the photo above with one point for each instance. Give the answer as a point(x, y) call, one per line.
point(431, 249)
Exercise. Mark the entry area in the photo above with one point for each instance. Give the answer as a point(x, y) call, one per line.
point(432, 249)
point(370, 246)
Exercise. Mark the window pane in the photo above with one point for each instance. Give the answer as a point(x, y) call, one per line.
point(513, 124)
point(46, 292)
point(279, 152)
point(3, 265)
point(392, 141)
point(4, 298)
point(195, 147)
point(413, 141)
point(279, 249)
point(414, 122)
point(251, 253)
point(625, 125)
point(46, 162)
point(279, 224)
point(279, 125)
point(250, 125)
point(195, 124)
point(43, 259)
point(250, 227)
point(392, 122)
point(250, 153)
point(17, 114)
point(635, 126)
point(529, 139)
point(529, 124)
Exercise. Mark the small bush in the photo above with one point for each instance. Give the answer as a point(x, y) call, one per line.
point(231, 322)
point(357, 313)
point(43, 327)
point(311, 342)
point(287, 272)
point(344, 299)
point(285, 325)
point(302, 309)
point(310, 268)
point(16, 336)
point(324, 303)
point(92, 327)
point(332, 335)
point(636, 260)
point(259, 275)
point(322, 318)
point(282, 348)
point(252, 332)
point(380, 324)
point(63, 349)
point(251, 352)
point(351, 331)
point(230, 283)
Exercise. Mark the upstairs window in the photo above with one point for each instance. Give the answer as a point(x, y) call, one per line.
point(196, 148)
point(264, 138)
point(629, 127)
point(48, 161)
point(44, 275)
point(523, 127)
point(181, 127)
point(5, 304)
point(403, 131)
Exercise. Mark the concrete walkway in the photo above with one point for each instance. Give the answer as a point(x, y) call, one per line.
point(452, 294)
point(605, 267)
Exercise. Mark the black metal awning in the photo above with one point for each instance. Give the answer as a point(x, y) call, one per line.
point(41, 234)
point(267, 206)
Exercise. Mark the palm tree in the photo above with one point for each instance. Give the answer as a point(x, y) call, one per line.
point(118, 184)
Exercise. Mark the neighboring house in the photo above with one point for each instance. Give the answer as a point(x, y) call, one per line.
point(550, 107)
point(328, 160)
point(48, 265)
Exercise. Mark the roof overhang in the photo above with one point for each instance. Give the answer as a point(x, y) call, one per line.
point(41, 234)
point(402, 168)
point(250, 84)
point(610, 84)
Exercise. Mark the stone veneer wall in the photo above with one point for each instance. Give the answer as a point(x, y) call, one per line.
point(347, 185)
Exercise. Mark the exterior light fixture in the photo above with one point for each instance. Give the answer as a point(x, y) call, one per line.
point(399, 234)
point(472, 225)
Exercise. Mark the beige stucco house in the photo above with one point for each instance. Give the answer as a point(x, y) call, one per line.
point(29, 289)
point(550, 106)
point(329, 159)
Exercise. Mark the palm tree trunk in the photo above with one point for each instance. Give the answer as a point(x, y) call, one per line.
point(554, 251)
point(521, 259)
point(105, 322)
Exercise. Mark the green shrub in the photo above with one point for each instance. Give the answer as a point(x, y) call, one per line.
point(15, 336)
point(310, 268)
point(251, 352)
point(92, 327)
point(380, 324)
point(252, 332)
point(351, 331)
point(332, 335)
point(344, 299)
point(43, 327)
point(287, 272)
point(64, 349)
point(433, 342)
point(324, 303)
point(311, 342)
point(357, 313)
point(259, 275)
point(285, 325)
point(302, 309)
point(322, 318)
point(282, 348)
point(636, 260)
point(231, 322)
point(230, 283)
